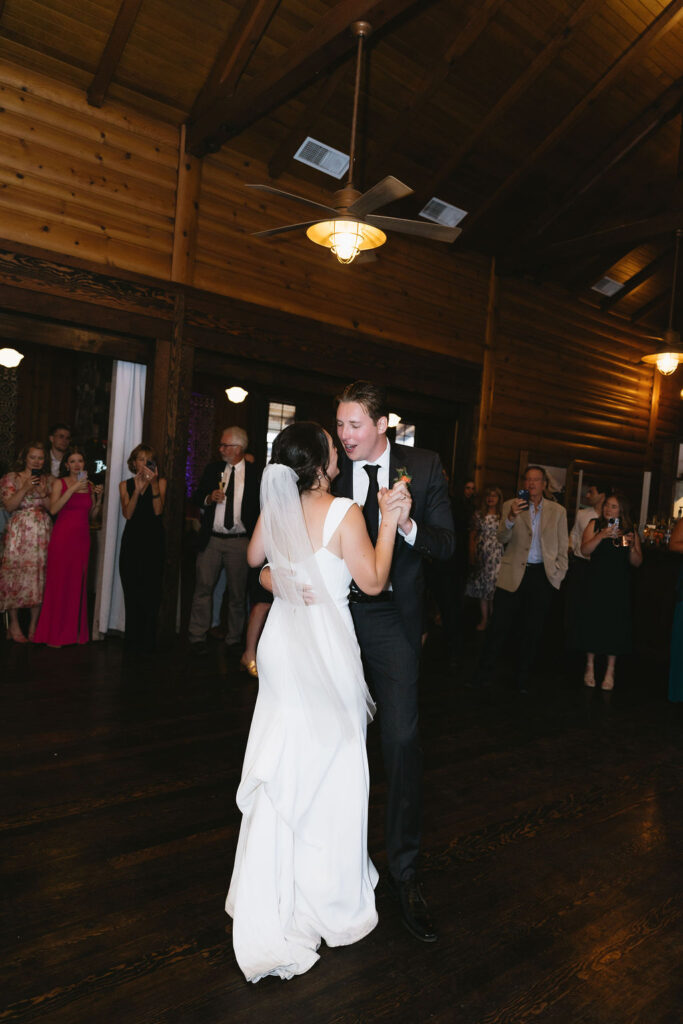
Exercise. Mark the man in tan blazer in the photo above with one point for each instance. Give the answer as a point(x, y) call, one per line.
point(535, 558)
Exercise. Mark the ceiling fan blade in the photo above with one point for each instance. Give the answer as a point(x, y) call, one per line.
point(328, 210)
point(284, 229)
point(437, 232)
point(385, 191)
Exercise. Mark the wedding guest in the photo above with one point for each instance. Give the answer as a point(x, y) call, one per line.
point(74, 500)
point(260, 601)
point(533, 533)
point(228, 495)
point(676, 667)
point(577, 576)
point(60, 439)
point(486, 552)
point(141, 562)
point(614, 547)
point(25, 495)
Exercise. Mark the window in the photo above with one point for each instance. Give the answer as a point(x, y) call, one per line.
point(279, 417)
point(405, 434)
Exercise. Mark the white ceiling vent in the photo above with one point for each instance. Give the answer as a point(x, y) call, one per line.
point(443, 213)
point(323, 158)
point(607, 286)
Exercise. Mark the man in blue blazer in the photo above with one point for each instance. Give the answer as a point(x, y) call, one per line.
point(389, 626)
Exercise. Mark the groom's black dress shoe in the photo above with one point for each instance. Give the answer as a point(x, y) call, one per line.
point(413, 907)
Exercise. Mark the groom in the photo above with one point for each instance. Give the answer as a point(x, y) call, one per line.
point(389, 626)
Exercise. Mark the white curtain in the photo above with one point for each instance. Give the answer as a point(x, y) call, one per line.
point(125, 432)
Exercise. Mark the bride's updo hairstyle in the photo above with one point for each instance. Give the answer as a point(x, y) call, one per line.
point(304, 448)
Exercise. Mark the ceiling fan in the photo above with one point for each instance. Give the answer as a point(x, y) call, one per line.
point(350, 226)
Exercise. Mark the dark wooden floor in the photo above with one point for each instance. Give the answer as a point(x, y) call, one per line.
point(553, 852)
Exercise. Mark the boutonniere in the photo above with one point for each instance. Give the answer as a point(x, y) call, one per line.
point(402, 476)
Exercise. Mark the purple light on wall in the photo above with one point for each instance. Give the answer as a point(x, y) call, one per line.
point(200, 431)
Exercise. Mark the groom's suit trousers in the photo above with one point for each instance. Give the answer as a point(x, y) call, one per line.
point(392, 669)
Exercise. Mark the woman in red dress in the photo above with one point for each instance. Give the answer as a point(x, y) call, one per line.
point(74, 500)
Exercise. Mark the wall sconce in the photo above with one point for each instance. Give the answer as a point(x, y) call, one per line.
point(394, 419)
point(236, 394)
point(10, 358)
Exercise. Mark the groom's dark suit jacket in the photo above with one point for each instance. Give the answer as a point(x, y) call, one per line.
point(431, 512)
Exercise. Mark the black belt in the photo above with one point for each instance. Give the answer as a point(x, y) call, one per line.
point(357, 596)
point(227, 536)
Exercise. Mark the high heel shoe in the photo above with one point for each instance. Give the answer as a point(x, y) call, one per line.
point(589, 678)
point(608, 682)
point(17, 636)
point(249, 666)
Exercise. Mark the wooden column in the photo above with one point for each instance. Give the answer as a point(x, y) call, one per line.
point(169, 399)
point(186, 210)
point(487, 379)
point(652, 426)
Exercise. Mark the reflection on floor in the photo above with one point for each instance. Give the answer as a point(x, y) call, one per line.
point(552, 851)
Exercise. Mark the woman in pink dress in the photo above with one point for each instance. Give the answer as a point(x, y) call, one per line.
point(74, 500)
point(25, 494)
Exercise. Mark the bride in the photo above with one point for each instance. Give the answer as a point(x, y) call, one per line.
point(302, 871)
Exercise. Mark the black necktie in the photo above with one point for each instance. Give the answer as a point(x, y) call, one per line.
point(229, 517)
point(371, 508)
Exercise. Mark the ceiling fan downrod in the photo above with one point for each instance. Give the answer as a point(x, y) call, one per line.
point(361, 29)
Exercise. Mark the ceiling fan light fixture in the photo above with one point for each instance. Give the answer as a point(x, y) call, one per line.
point(667, 362)
point(346, 237)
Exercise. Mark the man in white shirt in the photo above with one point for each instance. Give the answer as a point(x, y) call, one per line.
point(228, 495)
point(60, 439)
point(595, 499)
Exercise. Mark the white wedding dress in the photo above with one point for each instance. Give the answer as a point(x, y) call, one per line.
point(302, 871)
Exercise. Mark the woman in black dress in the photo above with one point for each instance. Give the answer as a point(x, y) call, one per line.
point(141, 562)
point(605, 626)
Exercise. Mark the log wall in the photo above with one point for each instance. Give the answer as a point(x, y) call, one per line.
point(570, 387)
point(89, 203)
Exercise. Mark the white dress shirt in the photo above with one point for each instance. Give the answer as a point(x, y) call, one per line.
point(219, 508)
point(361, 482)
point(583, 517)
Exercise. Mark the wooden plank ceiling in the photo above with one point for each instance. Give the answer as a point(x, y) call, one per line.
point(555, 123)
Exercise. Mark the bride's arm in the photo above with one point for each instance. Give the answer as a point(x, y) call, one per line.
point(369, 566)
point(256, 554)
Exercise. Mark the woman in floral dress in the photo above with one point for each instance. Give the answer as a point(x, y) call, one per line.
point(25, 494)
point(485, 552)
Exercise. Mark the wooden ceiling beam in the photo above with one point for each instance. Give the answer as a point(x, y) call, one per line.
point(648, 271)
point(235, 53)
point(328, 41)
point(113, 50)
point(665, 21)
point(284, 154)
point(482, 13)
point(625, 235)
point(649, 307)
point(563, 35)
point(634, 135)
